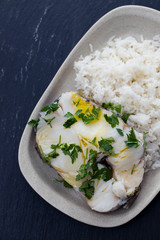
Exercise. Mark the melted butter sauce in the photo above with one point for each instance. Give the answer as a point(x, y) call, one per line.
point(81, 103)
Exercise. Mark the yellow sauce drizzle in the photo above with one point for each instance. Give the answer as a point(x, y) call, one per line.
point(81, 103)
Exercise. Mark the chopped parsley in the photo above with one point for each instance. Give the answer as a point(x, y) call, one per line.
point(86, 153)
point(144, 138)
point(108, 105)
point(133, 169)
point(93, 141)
point(120, 131)
point(91, 172)
point(95, 111)
point(79, 112)
point(71, 150)
point(70, 121)
point(132, 140)
point(88, 188)
point(118, 108)
point(50, 108)
point(34, 123)
point(106, 146)
point(92, 154)
point(83, 171)
point(112, 120)
point(88, 116)
point(111, 106)
point(125, 116)
point(48, 121)
point(46, 157)
point(103, 173)
point(67, 185)
point(76, 103)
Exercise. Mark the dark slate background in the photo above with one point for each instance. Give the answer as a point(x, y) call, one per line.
point(35, 39)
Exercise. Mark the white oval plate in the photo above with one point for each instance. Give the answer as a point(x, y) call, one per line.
point(123, 21)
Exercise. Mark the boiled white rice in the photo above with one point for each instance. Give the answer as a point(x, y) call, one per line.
point(127, 72)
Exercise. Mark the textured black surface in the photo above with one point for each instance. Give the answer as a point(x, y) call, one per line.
point(35, 38)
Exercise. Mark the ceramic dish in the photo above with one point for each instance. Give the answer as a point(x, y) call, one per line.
point(123, 21)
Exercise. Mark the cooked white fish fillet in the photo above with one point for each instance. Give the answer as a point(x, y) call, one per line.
point(126, 162)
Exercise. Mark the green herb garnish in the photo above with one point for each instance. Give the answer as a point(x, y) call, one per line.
point(70, 121)
point(71, 150)
point(132, 140)
point(46, 157)
point(90, 170)
point(86, 153)
point(93, 141)
point(108, 106)
point(50, 108)
point(111, 106)
point(95, 111)
point(88, 116)
point(103, 173)
point(125, 116)
point(92, 154)
point(132, 169)
point(76, 103)
point(88, 188)
point(67, 185)
point(120, 131)
point(118, 108)
point(144, 138)
point(34, 123)
point(48, 121)
point(106, 146)
point(112, 120)
point(83, 171)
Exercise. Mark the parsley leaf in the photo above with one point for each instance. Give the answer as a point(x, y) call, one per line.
point(67, 185)
point(46, 157)
point(120, 131)
point(71, 150)
point(86, 153)
point(96, 111)
point(106, 146)
point(83, 171)
point(76, 103)
point(133, 169)
point(111, 106)
point(132, 140)
point(50, 108)
point(88, 188)
point(88, 117)
point(48, 121)
point(55, 147)
point(69, 115)
point(70, 121)
point(118, 108)
point(108, 106)
point(93, 141)
point(112, 120)
point(103, 173)
point(78, 113)
point(125, 116)
point(90, 170)
point(92, 154)
point(34, 123)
